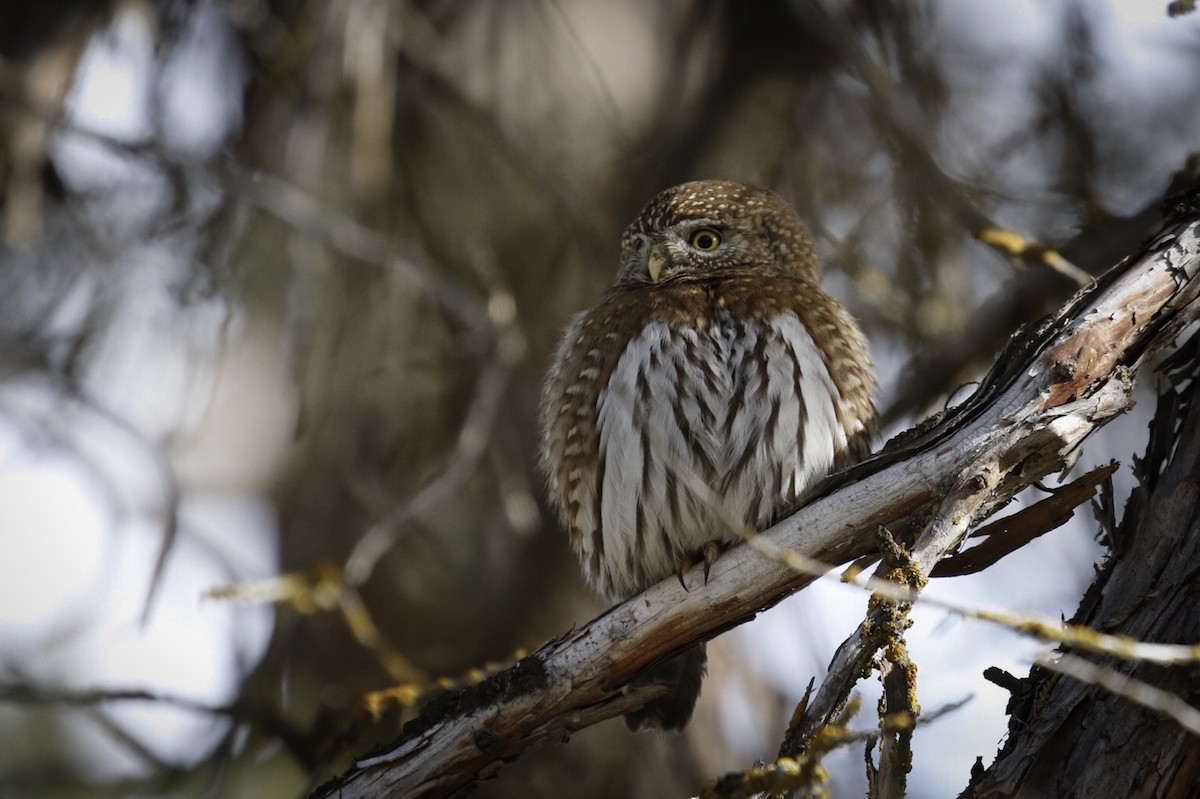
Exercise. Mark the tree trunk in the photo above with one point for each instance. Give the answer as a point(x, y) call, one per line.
point(1070, 738)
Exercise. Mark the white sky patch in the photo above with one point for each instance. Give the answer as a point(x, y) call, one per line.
point(187, 649)
point(74, 576)
point(111, 97)
point(201, 91)
point(1017, 27)
point(83, 512)
point(112, 90)
point(51, 540)
point(1149, 89)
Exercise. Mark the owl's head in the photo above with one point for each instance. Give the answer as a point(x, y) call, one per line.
point(700, 228)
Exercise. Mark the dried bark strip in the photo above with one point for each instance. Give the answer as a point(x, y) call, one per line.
point(1005, 536)
point(1051, 388)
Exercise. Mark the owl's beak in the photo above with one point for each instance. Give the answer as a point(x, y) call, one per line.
point(655, 263)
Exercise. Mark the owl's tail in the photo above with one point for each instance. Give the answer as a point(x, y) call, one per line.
point(683, 674)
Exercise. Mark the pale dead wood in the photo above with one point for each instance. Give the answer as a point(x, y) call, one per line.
point(1051, 388)
point(1005, 536)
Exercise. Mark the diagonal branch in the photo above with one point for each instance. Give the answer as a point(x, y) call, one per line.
point(1052, 386)
point(930, 553)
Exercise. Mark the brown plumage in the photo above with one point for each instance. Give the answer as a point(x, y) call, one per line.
point(713, 372)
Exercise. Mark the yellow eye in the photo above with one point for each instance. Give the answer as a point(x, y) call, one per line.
point(705, 240)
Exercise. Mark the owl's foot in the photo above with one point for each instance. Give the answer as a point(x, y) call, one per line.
point(682, 567)
point(712, 551)
point(682, 675)
point(707, 555)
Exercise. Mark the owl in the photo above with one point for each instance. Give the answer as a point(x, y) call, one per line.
point(707, 392)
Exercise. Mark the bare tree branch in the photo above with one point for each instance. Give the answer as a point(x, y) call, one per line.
point(1051, 388)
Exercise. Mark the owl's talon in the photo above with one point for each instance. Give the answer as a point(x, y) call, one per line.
point(712, 551)
point(682, 567)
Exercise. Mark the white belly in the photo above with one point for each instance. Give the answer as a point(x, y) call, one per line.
point(703, 431)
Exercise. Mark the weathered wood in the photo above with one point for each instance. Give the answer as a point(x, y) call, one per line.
point(1052, 386)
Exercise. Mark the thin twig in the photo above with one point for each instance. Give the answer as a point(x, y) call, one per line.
point(1133, 689)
